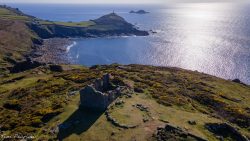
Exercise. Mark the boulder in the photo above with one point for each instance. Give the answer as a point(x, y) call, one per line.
point(56, 68)
point(138, 90)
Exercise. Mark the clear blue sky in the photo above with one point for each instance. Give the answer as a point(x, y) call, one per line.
point(109, 1)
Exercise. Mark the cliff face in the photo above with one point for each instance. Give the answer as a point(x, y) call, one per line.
point(51, 31)
point(108, 25)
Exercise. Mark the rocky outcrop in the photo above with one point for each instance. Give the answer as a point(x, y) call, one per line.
point(139, 12)
point(170, 132)
point(60, 31)
point(238, 81)
point(224, 130)
point(99, 95)
point(24, 65)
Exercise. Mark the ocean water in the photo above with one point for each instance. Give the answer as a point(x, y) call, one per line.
point(213, 38)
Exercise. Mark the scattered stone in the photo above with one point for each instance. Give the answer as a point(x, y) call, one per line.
point(116, 123)
point(141, 107)
point(72, 93)
point(145, 120)
point(120, 102)
point(170, 132)
point(54, 130)
point(128, 96)
point(220, 138)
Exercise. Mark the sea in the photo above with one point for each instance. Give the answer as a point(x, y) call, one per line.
point(212, 38)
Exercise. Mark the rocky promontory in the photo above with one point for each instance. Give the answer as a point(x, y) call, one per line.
point(107, 25)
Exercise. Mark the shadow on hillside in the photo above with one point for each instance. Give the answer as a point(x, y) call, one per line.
point(80, 121)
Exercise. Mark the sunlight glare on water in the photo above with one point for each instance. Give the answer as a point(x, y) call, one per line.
point(213, 38)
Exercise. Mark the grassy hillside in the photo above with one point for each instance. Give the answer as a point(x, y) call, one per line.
point(35, 102)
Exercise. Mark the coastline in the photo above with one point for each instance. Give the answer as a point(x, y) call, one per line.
point(54, 50)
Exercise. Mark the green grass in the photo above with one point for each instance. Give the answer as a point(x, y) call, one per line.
point(103, 27)
point(5, 12)
point(172, 95)
point(9, 15)
point(71, 24)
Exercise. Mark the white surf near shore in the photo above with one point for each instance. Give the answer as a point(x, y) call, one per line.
point(70, 46)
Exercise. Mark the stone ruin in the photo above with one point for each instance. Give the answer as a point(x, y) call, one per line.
point(99, 95)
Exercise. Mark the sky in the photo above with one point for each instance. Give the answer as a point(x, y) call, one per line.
point(82, 1)
point(110, 1)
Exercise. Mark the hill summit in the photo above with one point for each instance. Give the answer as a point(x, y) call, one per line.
point(112, 19)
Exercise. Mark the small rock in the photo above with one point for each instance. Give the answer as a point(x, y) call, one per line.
point(138, 90)
point(120, 102)
point(56, 68)
point(72, 93)
point(192, 122)
point(145, 120)
point(113, 133)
